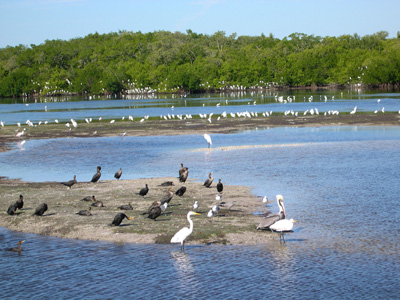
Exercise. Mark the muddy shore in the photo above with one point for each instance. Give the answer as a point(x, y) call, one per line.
point(235, 226)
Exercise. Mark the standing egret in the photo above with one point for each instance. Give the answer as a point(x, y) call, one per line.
point(282, 226)
point(182, 234)
point(208, 139)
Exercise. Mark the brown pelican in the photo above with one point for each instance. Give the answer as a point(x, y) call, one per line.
point(182, 234)
point(209, 180)
point(96, 176)
point(167, 197)
point(16, 249)
point(143, 192)
point(70, 183)
point(270, 219)
point(118, 219)
point(40, 210)
point(85, 212)
point(282, 226)
point(20, 202)
point(220, 186)
point(118, 174)
point(181, 191)
point(127, 206)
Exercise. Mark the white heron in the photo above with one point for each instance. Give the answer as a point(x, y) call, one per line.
point(208, 139)
point(182, 234)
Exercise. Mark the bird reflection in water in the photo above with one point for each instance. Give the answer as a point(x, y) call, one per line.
point(185, 270)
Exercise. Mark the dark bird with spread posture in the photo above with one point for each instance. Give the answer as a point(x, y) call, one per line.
point(96, 176)
point(143, 192)
point(220, 186)
point(20, 202)
point(41, 209)
point(154, 212)
point(89, 198)
point(118, 219)
point(168, 196)
point(12, 209)
point(118, 174)
point(97, 203)
point(70, 183)
point(181, 191)
point(16, 249)
point(209, 180)
point(85, 212)
point(127, 206)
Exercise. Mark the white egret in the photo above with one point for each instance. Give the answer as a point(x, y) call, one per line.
point(208, 139)
point(182, 234)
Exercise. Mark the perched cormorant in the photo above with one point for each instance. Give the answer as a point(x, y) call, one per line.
point(220, 186)
point(12, 209)
point(85, 212)
point(127, 206)
point(16, 249)
point(143, 192)
point(184, 175)
point(118, 174)
point(96, 176)
point(154, 204)
point(154, 212)
point(181, 191)
point(20, 202)
point(40, 210)
point(209, 180)
point(167, 197)
point(89, 198)
point(118, 219)
point(70, 183)
point(98, 203)
point(270, 219)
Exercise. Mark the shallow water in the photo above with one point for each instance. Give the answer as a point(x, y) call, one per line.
point(339, 183)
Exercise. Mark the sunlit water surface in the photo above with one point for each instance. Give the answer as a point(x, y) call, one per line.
point(340, 183)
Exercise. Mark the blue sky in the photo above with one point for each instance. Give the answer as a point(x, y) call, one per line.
point(34, 21)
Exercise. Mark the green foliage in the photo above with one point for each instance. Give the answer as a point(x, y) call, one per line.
point(168, 62)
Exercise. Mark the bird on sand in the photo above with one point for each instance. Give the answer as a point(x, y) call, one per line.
point(195, 205)
point(12, 209)
point(143, 192)
point(41, 209)
point(220, 186)
point(229, 205)
point(89, 198)
point(118, 174)
point(208, 139)
point(118, 219)
point(168, 196)
point(16, 249)
point(70, 183)
point(182, 234)
point(154, 204)
point(85, 212)
point(20, 202)
point(97, 203)
point(127, 206)
point(181, 191)
point(270, 219)
point(96, 176)
point(209, 180)
point(183, 177)
point(282, 226)
point(155, 211)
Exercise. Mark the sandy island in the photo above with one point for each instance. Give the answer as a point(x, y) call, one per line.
point(235, 226)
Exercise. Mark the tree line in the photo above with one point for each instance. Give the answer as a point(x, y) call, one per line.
point(167, 62)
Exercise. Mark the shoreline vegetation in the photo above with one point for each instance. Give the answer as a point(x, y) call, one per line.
point(235, 226)
point(162, 62)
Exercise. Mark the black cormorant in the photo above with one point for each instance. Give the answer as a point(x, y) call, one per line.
point(118, 174)
point(209, 180)
point(96, 176)
point(143, 192)
point(89, 198)
point(40, 210)
point(154, 212)
point(127, 206)
point(118, 219)
point(70, 183)
point(20, 202)
point(181, 191)
point(12, 209)
point(184, 175)
point(85, 212)
point(167, 197)
point(98, 203)
point(154, 204)
point(16, 249)
point(167, 183)
point(220, 186)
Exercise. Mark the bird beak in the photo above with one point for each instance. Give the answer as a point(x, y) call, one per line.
point(22, 241)
point(130, 218)
point(197, 213)
point(294, 221)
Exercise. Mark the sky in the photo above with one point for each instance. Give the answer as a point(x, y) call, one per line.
point(29, 22)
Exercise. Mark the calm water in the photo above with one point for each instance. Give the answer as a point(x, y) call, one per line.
point(340, 183)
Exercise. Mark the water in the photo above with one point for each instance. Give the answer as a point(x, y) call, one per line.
point(339, 183)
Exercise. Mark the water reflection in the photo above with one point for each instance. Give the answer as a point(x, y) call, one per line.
point(188, 280)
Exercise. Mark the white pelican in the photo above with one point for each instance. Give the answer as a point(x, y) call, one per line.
point(182, 234)
point(282, 226)
point(208, 139)
point(270, 219)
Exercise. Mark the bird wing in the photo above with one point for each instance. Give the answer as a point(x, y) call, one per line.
point(181, 235)
point(268, 221)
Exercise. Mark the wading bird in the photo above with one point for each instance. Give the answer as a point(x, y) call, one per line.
point(208, 139)
point(182, 234)
point(270, 219)
point(16, 249)
point(282, 226)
